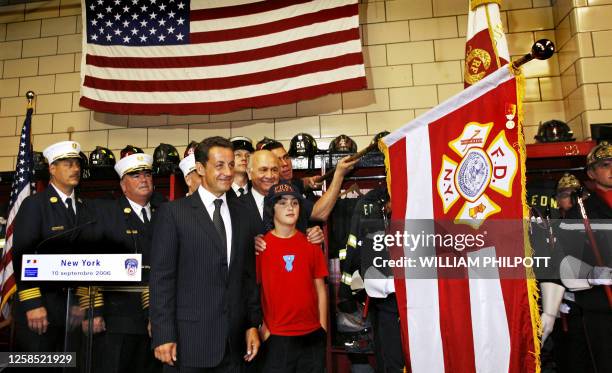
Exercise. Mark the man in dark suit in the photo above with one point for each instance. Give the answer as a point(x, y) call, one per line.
point(120, 319)
point(204, 297)
point(54, 221)
point(264, 171)
point(306, 184)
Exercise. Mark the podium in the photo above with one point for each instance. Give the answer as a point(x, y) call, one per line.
point(96, 272)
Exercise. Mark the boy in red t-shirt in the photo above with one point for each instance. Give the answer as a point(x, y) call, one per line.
point(291, 273)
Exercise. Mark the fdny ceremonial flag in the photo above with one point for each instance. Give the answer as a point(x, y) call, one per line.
point(486, 49)
point(20, 189)
point(211, 56)
point(462, 164)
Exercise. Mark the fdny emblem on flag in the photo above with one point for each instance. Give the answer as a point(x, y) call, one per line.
point(131, 266)
point(289, 262)
point(477, 173)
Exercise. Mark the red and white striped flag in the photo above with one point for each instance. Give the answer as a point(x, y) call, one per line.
point(486, 49)
point(210, 56)
point(20, 189)
point(462, 165)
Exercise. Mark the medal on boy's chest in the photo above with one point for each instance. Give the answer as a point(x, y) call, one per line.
point(289, 262)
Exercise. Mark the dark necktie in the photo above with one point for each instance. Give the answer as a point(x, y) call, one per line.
point(145, 218)
point(218, 221)
point(70, 209)
point(241, 191)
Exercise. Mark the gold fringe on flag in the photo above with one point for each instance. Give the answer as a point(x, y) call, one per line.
point(385, 150)
point(532, 285)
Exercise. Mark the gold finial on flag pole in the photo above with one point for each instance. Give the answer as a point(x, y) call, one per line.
point(542, 49)
point(30, 95)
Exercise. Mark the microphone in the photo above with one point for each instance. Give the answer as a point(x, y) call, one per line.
point(64, 233)
point(51, 238)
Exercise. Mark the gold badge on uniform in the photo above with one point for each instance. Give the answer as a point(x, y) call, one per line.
point(127, 210)
point(53, 199)
point(58, 228)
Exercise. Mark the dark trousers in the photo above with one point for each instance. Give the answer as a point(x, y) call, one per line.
point(584, 343)
point(57, 338)
point(296, 354)
point(570, 349)
point(387, 335)
point(231, 363)
point(123, 353)
point(598, 330)
point(54, 338)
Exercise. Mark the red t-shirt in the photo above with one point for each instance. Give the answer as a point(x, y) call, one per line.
point(286, 271)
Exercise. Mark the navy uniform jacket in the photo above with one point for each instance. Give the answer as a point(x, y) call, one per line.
point(574, 242)
point(232, 195)
point(124, 232)
point(40, 217)
point(196, 300)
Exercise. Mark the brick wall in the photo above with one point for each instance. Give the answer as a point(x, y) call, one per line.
point(583, 31)
point(414, 60)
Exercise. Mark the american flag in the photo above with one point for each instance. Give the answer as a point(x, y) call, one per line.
point(211, 56)
point(21, 188)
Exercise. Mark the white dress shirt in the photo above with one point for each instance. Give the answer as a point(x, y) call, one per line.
point(259, 201)
point(63, 197)
point(208, 199)
point(138, 209)
point(235, 187)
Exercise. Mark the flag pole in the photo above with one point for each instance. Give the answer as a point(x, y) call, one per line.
point(30, 95)
point(542, 49)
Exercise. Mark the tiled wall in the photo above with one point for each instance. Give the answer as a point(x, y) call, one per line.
point(414, 52)
point(584, 35)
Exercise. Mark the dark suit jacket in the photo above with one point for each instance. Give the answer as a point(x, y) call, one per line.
point(196, 301)
point(249, 208)
point(43, 216)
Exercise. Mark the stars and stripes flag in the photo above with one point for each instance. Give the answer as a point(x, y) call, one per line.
point(461, 168)
point(486, 49)
point(20, 189)
point(211, 56)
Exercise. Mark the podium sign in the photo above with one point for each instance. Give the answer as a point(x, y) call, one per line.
point(81, 267)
